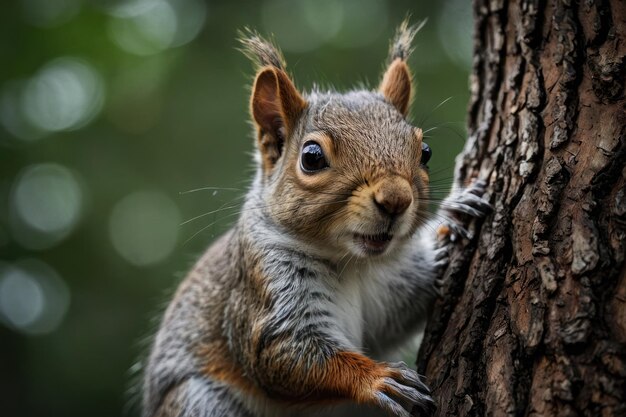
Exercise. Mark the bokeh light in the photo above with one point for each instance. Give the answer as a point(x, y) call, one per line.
point(33, 298)
point(21, 298)
point(146, 27)
point(144, 227)
point(46, 204)
point(66, 94)
point(11, 115)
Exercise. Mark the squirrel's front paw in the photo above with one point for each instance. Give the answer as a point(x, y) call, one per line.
point(402, 393)
point(461, 205)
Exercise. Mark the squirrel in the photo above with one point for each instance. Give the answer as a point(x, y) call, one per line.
point(329, 264)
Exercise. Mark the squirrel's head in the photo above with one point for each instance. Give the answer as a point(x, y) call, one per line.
point(345, 172)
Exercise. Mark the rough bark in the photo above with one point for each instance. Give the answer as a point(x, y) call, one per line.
point(533, 317)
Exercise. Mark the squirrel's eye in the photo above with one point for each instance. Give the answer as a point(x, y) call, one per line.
point(312, 158)
point(426, 154)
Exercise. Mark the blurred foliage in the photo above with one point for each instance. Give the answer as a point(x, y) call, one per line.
point(109, 112)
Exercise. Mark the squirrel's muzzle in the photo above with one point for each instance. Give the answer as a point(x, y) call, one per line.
point(393, 195)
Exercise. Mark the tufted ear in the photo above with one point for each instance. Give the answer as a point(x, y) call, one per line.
point(396, 85)
point(275, 105)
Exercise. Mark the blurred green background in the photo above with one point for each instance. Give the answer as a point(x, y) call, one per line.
point(110, 112)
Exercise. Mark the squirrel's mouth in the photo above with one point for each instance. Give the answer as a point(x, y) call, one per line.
point(373, 244)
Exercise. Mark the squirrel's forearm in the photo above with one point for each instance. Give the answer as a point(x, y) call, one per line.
point(292, 349)
point(319, 372)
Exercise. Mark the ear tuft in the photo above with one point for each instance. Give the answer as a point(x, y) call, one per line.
point(396, 85)
point(260, 51)
point(401, 44)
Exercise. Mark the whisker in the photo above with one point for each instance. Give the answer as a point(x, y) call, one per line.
point(341, 259)
point(425, 119)
point(222, 208)
point(334, 194)
point(346, 265)
point(205, 227)
point(440, 169)
point(319, 205)
point(194, 190)
point(444, 126)
point(258, 207)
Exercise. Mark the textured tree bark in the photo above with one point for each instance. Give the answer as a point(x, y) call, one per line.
point(533, 317)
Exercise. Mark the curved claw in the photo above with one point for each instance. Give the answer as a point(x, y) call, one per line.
point(475, 201)
point(478, 187)
point(402, 392)
point(469, 202)
point(461, 204)
point(463, 208)
point(390, 406)
point(405, 394)
point(458, 230)
point(442, 254)
point(439, 285)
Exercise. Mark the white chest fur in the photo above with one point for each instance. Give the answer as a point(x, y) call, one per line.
point(363, 301)
point(358, 296)
point(348, 308)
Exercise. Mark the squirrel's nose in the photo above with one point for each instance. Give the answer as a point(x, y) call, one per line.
point(393, 195)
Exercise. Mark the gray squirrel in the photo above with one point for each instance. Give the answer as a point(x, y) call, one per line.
point(329, 260)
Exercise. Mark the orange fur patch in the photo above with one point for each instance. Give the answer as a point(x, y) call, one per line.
point(220, 366)
point(443, 231)
point(350, 375)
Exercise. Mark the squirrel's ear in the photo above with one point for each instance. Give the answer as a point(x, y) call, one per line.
point(275, 106)
point(396, 85)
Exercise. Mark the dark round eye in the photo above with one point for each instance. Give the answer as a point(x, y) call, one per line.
point(426, 154)
point(312, 158)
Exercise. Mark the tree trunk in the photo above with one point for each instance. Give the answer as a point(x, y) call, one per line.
point(533, 317)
